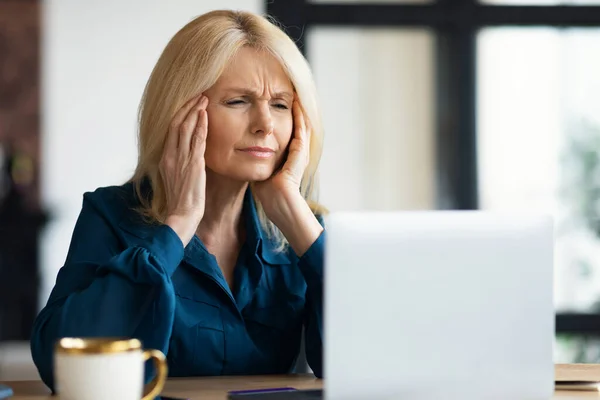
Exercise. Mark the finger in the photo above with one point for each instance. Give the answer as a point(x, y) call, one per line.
point(203, 102)
point(201, 131)
point(199, 140)
point(298, 118)
point(173, 134)
point(188, 128)
point(294, 165)
point(307, 131)
point(301, 132)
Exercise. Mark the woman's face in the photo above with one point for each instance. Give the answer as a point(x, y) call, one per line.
point(249, 117)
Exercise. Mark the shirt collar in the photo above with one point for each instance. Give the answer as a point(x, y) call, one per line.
point(257, 238)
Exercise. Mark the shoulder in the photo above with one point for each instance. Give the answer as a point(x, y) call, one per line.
point(112, 202)
point(97, 232)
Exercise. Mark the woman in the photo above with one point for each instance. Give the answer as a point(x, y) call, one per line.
point(211, 253)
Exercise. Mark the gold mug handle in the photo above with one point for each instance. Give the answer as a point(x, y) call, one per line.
point(157, 384)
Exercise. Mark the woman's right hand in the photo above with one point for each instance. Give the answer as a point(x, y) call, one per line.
point(182, 168)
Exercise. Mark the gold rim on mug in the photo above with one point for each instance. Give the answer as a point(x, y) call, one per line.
point(97, 345)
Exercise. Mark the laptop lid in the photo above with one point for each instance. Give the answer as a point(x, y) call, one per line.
point(446, 304)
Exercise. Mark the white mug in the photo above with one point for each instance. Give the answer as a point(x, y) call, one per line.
point(105, 369)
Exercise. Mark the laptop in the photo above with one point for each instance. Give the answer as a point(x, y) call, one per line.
point(439, 305)
point(436, 305)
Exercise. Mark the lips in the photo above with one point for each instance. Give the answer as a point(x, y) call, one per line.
point(259, 152)
point(259, 149)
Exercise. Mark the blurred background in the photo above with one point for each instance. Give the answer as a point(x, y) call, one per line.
point(443, 104)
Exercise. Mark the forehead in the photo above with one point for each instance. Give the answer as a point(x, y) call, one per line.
point(254, 69)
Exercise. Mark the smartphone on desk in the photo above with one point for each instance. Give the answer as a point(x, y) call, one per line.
point(276, 394)
point(5, 392)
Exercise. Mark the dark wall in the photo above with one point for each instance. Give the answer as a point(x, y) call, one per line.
point(20, 217)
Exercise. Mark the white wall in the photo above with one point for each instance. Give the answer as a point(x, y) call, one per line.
point(97, 56)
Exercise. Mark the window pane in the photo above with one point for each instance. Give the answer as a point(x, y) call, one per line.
point(577, 349)
point(377, 93)
point(539, 143)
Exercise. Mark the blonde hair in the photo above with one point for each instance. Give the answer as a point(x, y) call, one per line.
point(191, 63)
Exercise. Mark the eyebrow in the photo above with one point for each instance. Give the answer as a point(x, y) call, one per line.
point(251, 92)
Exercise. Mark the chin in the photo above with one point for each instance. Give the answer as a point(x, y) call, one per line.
point(255, 175)
point(258, 177)
point(243, 172)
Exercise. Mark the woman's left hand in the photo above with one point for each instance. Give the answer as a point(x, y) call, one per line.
point(280, 194)
point(287, 180)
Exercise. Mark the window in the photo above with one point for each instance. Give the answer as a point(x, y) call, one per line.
point(514, 118)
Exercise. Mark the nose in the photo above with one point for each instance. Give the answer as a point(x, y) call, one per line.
point(262, 121)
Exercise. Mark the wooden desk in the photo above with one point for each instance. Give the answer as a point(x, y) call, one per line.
point(216, 388)
point(213, 388)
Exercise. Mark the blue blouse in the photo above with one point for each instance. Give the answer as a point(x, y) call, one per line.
point(126, 278)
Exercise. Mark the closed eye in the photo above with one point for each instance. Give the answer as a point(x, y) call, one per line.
point(235, 102)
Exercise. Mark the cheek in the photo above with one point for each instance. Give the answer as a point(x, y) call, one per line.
point(221, 133)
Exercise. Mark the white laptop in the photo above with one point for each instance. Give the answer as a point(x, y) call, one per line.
point(438, 305)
